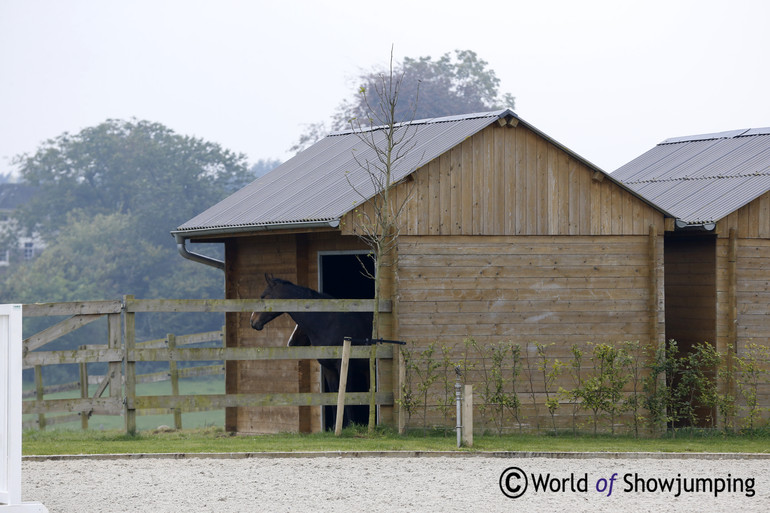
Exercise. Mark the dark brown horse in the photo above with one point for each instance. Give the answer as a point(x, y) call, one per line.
point(324, 329)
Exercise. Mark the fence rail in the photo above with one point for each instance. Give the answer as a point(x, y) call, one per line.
point(121, 352)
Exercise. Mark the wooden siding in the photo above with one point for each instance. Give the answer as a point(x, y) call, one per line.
point(743, 309)
point(560, 290)
point(751, 221)
point(247, 261)
point(511, 181)
point(753, 302)
point(293, 257)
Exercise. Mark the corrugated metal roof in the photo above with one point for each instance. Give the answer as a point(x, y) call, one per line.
point(324, 182)
point(702, 178)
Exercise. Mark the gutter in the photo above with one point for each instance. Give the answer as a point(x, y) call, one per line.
point(182, 236)
point(195, 257)
point(680, 225)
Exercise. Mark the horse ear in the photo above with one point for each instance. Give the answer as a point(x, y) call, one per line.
point(269, 278)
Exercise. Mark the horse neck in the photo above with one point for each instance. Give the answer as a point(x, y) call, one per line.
point(308, 321)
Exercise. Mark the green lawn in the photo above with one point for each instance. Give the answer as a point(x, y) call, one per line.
point(216, 440)
point(203, 433)
point(192, 420)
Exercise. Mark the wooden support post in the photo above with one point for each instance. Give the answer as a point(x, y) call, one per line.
point(174, 374)
point(657, 341)
point(115, 369)
point(83, 391)
point(732, 312)
point(398, 389)
point(467, 416)
point(39, 394)
point(129, 338)
point(654, 292)
point(342, 387)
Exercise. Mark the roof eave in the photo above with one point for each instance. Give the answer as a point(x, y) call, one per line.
point(199, 233)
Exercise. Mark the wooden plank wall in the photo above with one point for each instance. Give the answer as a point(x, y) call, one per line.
point(559, 290)
point(247, 261)
point(751, 221)
point(511, 181)
point(753, 302)
point(746, 311)
point(507, 237)
point(293, 257)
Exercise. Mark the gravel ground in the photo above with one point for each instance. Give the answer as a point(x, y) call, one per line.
point(386, 483)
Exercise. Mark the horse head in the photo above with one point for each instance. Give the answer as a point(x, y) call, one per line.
point(273, 291)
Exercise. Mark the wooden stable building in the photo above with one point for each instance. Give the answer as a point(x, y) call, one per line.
point(507, 236)
point(717, 254)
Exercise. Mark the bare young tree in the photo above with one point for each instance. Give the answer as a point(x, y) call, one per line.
point(387, 142)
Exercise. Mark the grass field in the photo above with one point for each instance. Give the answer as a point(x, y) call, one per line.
point(203, 432)
point(192, 420)
point(216, 440)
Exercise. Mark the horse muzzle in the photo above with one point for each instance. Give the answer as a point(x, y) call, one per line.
point(254, 321)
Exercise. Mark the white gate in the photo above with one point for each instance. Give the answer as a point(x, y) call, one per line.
point(10, 413)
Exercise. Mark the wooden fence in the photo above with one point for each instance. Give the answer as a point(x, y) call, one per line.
point(116, 391)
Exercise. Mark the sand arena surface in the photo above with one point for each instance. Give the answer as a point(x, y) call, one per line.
point(376, 483)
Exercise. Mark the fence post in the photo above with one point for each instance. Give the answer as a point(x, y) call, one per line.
point(398, 393)
point(39, 394)
point(174, 374)
point(467, 416)
point(343, 386)
point(115, 369)
point(129, 340)
point(83, 391)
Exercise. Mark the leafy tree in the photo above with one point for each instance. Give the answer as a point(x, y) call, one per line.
point(455, 83)
point(264, 166)
point(107, 199)
point(138, 168)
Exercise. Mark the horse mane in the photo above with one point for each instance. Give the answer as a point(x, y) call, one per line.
point(306, 293)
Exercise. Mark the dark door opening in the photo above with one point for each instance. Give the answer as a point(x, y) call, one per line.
point(691, 295)
point(347, 276)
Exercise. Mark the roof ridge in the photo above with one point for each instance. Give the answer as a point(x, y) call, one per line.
point(429, 121)
point(730, 134)
point(690, 178)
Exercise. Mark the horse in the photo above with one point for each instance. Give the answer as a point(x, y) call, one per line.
point(323, 329)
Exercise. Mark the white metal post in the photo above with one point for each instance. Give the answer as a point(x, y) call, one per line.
point(10, 413)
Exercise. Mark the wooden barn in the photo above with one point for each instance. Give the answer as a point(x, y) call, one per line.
point(717, 256)
point(507, 236)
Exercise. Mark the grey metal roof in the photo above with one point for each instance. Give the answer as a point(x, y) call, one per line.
point(702, 178)
point(314, 187)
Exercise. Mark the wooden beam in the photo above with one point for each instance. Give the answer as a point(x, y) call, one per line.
point(654, 298)
point(58, 330)
point(99, 406)
point(255, 305)
point(732, 309)
point(73, 356)
point(219, 401)
point(72, 308)
point(252, 353)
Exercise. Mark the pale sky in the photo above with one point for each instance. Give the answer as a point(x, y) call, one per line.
point(607, 79)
